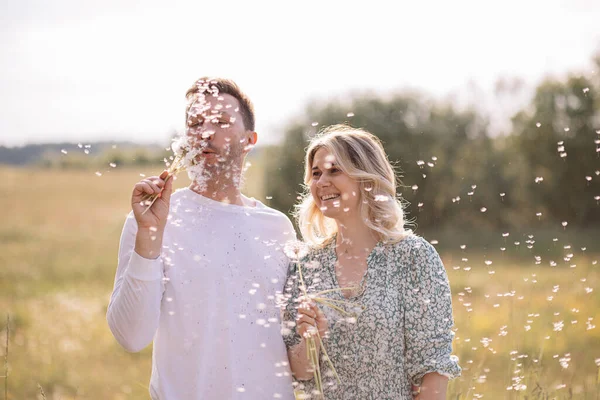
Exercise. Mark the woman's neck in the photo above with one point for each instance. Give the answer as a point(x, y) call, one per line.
point(355, 238)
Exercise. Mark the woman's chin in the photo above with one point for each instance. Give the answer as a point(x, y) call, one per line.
point(332, 212)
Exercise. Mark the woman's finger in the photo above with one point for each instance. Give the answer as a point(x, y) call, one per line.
point(305, 319)
point(307, 311)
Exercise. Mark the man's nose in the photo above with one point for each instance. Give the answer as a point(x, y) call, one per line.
point(206, 131)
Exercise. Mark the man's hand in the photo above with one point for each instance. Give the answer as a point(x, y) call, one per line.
point(151, 223)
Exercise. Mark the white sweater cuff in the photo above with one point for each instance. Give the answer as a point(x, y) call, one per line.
point(145, 269)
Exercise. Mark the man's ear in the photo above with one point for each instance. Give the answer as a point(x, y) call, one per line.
point(253, 138)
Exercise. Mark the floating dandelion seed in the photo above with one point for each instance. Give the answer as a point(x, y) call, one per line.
point(539, 215)
point(564, 224)
point(463, 246)
point(538, 124)
point(98, 173)
point(539, 179)
point(113, 165)
point(505, 234)
point(315, 124)
point(585, 90)
point(588, 178)
point(483, 209)
point(420, 163)
point(350, 114)
point(269, 197)
point(567, 129)
point(434, 158)
point(415, 187)
point(558, 326)
point(434, 242)
point(63, 151)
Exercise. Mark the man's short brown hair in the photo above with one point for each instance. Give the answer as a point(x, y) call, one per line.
point(226, 86)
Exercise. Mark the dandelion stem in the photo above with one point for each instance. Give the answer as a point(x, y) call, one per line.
point(336, 290)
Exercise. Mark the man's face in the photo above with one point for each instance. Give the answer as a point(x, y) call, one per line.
point(215, 125)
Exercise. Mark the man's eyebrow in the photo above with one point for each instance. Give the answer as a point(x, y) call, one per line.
point(219, 113)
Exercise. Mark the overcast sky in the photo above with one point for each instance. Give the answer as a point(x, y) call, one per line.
point(76, 70)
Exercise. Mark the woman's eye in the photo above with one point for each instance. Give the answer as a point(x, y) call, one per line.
point(316, 173)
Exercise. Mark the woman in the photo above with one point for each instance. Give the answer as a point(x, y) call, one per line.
point(361, 254)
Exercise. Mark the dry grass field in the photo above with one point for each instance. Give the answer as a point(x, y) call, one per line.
point(523, 330)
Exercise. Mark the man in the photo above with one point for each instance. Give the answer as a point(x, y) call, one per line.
point(198, 270)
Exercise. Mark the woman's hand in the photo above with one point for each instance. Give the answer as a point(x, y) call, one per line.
point(310, 320)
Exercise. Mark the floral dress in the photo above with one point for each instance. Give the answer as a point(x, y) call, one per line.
point(402, 325)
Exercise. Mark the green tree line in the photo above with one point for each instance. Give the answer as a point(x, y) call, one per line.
point(454, 173)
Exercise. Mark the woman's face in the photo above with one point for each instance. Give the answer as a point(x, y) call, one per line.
point(334, 192)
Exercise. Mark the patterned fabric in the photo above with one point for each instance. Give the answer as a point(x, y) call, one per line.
point(401, 331)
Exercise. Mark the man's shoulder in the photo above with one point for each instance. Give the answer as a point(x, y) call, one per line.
point(271, 210)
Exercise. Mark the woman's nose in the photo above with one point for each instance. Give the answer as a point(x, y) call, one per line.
point(322, 181)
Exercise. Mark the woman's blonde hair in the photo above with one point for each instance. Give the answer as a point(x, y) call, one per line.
point(360, 155)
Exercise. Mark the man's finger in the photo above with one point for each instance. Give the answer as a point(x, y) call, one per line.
point(142, 187)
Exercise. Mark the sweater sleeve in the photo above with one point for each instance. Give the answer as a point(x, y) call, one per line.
point(134, 309)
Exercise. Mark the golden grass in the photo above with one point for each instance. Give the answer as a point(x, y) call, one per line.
point(59, 238)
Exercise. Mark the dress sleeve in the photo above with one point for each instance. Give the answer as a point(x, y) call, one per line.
point(428, 316)
point(291, 293)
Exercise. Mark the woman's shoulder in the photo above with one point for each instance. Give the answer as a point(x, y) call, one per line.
point(412, 254)
point(408, 245)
